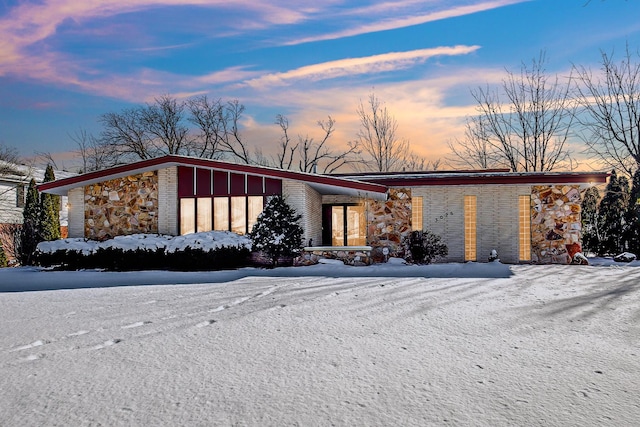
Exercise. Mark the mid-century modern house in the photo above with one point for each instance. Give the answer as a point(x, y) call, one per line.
point(525, 217)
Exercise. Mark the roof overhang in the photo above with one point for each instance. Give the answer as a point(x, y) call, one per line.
point(322, 183)
point(486, 178)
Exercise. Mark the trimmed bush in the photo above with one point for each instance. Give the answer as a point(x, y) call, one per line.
point(199, 251)
point(116, 259)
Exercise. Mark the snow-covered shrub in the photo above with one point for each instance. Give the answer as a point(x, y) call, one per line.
point(277, 232)
point(423, 247)
point(214, 250)
point(625, 257)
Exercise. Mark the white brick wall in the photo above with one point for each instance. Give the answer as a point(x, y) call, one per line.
point(168, 201)
point(307, 202)
point(497, 218)
point(76, 212)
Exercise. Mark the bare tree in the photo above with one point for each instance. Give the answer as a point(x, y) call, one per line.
point(474, 150)
point(610, 111)
point(8, 160)
point(231, 140)
point(94, 154)
point(312, 155)
point(286, 149)
point(164, 123)
point(529, 130)
point(208, 116)
point(414, 162)
point(382, 149)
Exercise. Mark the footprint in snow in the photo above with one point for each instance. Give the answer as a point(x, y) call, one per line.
point(28, 346)
point(107, 344)
point(33, 357)
point(205, 323)
point(136, 325)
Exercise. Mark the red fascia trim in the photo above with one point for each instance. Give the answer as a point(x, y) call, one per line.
point(595, 178)
point(172, 160)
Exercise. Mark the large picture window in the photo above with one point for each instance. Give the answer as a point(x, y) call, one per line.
point(236, 213)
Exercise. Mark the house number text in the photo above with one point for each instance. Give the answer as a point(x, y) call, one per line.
point(444, 216)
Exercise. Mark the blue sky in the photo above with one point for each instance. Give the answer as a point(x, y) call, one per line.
point(63, 63)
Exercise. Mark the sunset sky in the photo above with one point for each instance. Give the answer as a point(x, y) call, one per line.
point(63, 63)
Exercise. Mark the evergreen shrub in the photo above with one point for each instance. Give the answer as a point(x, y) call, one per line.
point(423, 247)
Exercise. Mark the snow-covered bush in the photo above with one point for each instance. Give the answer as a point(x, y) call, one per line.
point(277, 232)
point(213, 250)
point(423, 247)
point(625, 257)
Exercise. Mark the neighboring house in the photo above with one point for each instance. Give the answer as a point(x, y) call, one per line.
point(526, 217)
point(14, 181)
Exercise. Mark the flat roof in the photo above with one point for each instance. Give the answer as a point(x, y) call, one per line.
point(480, 177)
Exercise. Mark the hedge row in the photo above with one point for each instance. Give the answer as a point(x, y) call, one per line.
point(116, 259)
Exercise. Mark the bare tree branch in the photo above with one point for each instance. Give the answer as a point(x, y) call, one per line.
point(610, 111)
point(528, 131)
point(382, 150)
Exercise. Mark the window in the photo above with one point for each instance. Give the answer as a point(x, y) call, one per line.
point(347, 225)
point(204, 220)
point(255, 204)
point(187, 216)
point(416, 213)
point(20, 197)
point(239, 214)
point(470, 228)
point(524, 232)
point(356, 227)
point(221, 213)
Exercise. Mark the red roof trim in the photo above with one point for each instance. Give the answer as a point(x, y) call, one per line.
point(172, 160)
point(531, 179)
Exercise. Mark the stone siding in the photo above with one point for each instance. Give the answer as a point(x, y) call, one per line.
point(389, 223)
point(555, 223)
point(121, 206)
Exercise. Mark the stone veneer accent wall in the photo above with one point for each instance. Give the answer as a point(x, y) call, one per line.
point(389, 223)
point(121, 206)
point(555, 223)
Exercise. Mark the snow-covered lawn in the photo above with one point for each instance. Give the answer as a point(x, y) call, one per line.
point(452, 344)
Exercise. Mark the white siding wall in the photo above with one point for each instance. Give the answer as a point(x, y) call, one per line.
point(307, 202)
point(497, 216)
point(76, 212)
point(168, 201)
point(9, 212)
